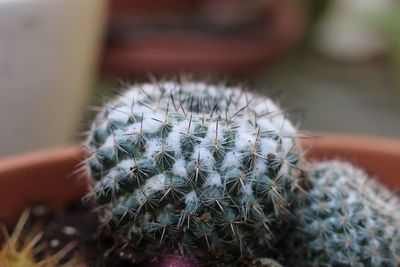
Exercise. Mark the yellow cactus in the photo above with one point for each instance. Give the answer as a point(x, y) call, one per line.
point(21, 251)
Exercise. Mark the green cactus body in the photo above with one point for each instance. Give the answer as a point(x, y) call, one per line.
point(347, 219)
point(193, 166)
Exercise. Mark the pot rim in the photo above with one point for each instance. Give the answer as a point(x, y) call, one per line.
point(48, 176)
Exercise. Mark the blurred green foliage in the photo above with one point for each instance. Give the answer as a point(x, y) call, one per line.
point(317, 8)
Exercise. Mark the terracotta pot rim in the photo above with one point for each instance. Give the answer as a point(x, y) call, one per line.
point(355, 141)
point(37, 157)
point(48, 177)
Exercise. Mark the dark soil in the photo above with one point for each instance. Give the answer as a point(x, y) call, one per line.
point(77, 223)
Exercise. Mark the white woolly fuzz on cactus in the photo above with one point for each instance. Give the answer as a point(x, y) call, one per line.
point(109, 143)
point(232, 159)
point(152, 121)
point(153, 148)
point(127, 100)
point(126, 164)
point(134, 129)
point(260, 168)
point(215, 132)
point(268, 146)
point(191, 197)
point(352, 198)
point(179, 168)
point(204, 155)
point(144, 124)
point(155, 184)
point(120, 115)
point(266, 106)
point(267, 126)
point(214, 179)
point(174, 139)
point(245, 137)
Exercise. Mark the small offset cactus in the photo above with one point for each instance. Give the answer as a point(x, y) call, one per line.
point(190, 166)
point(347, 219)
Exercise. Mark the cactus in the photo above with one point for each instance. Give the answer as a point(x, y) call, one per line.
point(190, 166)
point(347, 219)
point(26, 250)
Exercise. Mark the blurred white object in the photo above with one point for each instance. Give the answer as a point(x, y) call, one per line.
point(48, 60)
point(345, 32)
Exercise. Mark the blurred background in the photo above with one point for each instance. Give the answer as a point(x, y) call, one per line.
point(336, 63)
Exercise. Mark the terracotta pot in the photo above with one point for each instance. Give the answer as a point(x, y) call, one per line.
point(282, 25)
point(40, 177)
point(48, 177)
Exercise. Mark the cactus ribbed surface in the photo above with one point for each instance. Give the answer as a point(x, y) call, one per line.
point(194, 166)
point(347, 219)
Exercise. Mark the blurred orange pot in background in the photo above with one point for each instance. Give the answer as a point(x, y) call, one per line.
point(228, 37)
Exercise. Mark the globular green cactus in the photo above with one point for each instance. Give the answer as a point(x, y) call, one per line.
point(347, 219)
point(194, 167)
